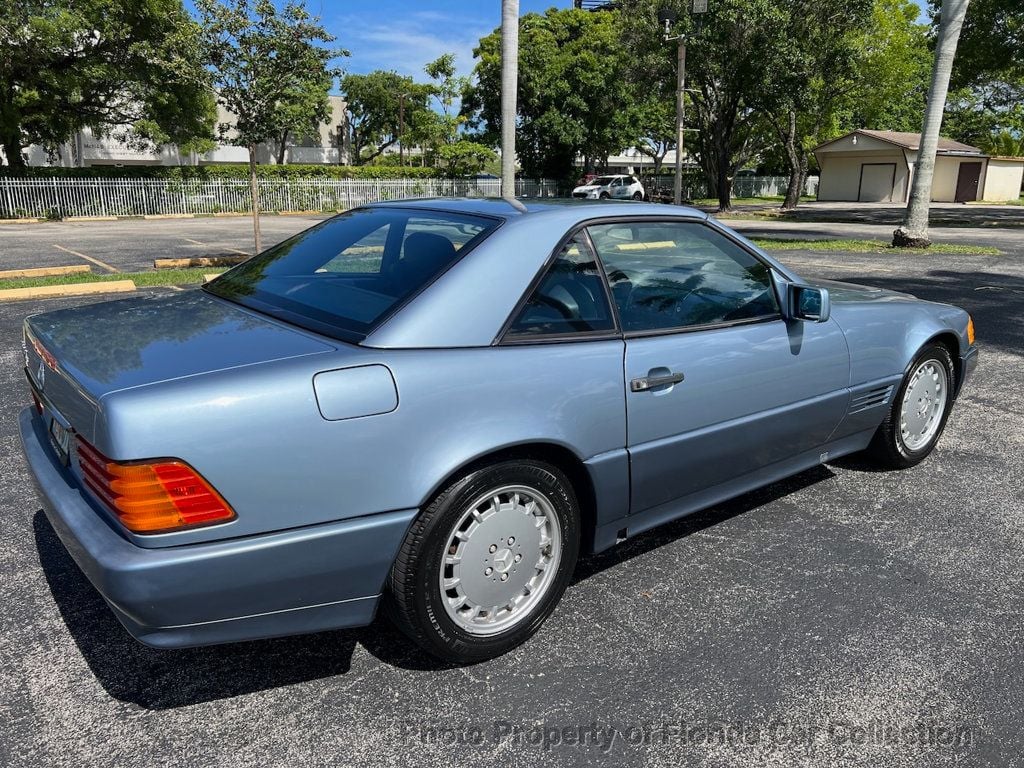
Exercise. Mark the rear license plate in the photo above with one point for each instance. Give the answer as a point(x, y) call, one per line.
point(60, 438)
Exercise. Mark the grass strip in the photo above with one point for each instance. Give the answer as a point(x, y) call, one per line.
point(868, 246)
point(142, 279)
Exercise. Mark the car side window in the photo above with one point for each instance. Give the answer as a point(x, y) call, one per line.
point(571, 298)
point(667, 275)
point(361, 257)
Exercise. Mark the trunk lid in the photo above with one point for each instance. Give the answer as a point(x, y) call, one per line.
point(76, 356)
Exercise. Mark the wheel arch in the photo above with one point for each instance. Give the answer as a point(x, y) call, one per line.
point(556, 454)
point(951, 342)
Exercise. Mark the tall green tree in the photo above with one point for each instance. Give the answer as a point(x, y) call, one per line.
point(656, 125)
point(892, 67)
point(813, 59)
point(382, 105)
point(132, 65)
point(574, 98)
point(271, 71)
point(730, 53)
point(986, 104)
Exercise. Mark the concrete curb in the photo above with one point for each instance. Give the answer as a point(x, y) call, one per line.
point(76, 269)
point(199, 261)
point(72, 289)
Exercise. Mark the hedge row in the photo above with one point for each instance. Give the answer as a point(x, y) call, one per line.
point(226, 171)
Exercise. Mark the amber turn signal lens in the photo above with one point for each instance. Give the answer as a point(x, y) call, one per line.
point(152, 496)
point(970, 330)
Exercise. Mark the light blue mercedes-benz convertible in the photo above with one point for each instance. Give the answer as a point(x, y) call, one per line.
point(435, 406)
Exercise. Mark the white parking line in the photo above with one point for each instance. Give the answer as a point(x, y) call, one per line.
point(97, 262)
point(207, 245)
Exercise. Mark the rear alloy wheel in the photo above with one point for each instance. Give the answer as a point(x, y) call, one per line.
point(487, 561)
point(637, 196)
point(919, 411)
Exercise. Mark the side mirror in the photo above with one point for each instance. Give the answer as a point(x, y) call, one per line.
point(805, 302)
point(802, 302)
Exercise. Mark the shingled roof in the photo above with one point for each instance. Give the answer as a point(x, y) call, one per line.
point(908, 140)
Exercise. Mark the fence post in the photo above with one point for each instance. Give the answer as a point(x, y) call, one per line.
point(10, 201)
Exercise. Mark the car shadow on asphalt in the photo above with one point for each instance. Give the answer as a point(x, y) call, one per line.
point(166, 679)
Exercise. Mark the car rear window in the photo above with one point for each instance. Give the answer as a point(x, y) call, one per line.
point(347, 275)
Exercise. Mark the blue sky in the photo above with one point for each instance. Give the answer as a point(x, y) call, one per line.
point(404, 35)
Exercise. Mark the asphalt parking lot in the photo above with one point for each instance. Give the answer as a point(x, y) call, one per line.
point(844, 616)
point(131, 245)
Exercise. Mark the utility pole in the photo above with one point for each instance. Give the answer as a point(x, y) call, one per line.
point(666, 18)
point(677, 184)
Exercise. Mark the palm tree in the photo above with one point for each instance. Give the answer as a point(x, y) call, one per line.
point(913, 233)
point(1004, 143)
point(509, 83)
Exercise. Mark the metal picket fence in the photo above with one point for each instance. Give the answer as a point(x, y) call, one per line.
point(64, 197)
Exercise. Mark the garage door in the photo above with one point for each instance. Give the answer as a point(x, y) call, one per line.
point(876, 182)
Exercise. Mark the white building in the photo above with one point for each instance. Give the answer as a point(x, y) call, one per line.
point(329, 146)
point(878, 166)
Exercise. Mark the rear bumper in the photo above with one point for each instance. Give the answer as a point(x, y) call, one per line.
point(290, 582)
point(968, 363)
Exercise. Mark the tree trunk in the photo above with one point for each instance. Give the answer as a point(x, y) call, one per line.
point(509, 86)
point(254, 188)
point(913, 233)
point(723, 176)
point(724, 189)
point(796, 161)
point(12, 148)
point(282, 147)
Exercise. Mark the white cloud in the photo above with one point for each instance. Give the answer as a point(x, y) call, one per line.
point(407, 44)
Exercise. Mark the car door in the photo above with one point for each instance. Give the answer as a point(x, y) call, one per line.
point(717, 384)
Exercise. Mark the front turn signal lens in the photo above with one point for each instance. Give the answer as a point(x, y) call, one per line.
point(970, 330)
point(155, 496)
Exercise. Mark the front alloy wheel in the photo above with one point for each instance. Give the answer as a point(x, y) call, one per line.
point(487, 561)
point(919, 411)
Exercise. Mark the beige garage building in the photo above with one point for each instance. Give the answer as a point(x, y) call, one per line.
point(878, 167)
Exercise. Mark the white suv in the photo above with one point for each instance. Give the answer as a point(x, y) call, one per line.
point(604, 187)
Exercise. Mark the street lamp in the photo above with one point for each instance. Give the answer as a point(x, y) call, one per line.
point(666, 18)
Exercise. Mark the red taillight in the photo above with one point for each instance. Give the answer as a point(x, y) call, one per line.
point(43, 352)
point(152, 496)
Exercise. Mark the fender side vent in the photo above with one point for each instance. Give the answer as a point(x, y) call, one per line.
point(871, 398)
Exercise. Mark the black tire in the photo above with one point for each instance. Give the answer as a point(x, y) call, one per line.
point(604, 196)
point(637, 196)
point(413, 599)
point(887, 448)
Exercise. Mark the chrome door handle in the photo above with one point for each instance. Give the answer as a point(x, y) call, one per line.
point(650, 382)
